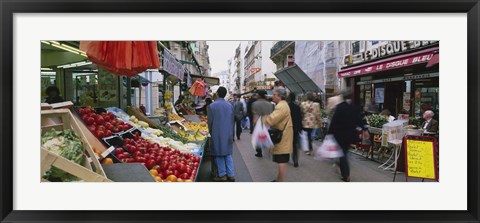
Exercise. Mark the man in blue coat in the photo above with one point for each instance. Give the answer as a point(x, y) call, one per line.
point(220, 124)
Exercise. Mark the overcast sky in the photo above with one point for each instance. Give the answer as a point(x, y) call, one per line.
point(219, 53)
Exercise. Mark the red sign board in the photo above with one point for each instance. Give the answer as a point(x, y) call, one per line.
point(390, 63)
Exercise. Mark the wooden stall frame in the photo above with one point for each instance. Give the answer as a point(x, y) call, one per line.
point(69, 122)
point(50, 159)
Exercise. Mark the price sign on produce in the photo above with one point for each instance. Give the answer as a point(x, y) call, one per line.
point(420, 157)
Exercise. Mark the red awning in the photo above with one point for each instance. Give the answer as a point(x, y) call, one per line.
point(430, 56)
point(434, 60)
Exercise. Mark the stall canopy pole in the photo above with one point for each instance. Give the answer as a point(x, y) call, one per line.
point(165, 75)
point(129, 92)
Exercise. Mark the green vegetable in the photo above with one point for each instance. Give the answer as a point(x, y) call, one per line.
point(376, 121)
point(66, 144)
point(168, 133)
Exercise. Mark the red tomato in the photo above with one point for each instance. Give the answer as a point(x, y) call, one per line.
point(142, 149)
point(161, 175)
point(137, 154)
point(120, 122)
point(90, 121)
point(184, 176)
point(100, 133)
point(126, 154)
point(172, 166)
point(176, 173)
point(158, 160)
point(140, 159)
point(126, 126)
point(168, 172)
point(81, 111)
point(130, 160)
point(195, 165)
point(119, 151)
point(164, 165)
point(92, 128)
point(99, 120)
point(121, 156)
point(189, 170)
point(182, 168)
point(108, 133)
point(150, 164)
point(108, 126)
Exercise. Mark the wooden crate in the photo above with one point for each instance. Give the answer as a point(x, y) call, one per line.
point(94, 142)
point(61, 119)
point(50, 159)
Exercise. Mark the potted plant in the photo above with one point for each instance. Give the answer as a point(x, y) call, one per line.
point(376, 122)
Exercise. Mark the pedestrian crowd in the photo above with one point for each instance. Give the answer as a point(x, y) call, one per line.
point(293, 124)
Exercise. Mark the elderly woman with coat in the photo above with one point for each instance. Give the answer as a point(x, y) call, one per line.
point(280, 119)
point(220, 125)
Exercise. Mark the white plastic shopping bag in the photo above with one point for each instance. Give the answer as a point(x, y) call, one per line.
point(329, 149)
point(261, 138)
point(303, 139)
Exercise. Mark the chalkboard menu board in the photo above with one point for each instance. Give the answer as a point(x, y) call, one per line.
point(421, 157)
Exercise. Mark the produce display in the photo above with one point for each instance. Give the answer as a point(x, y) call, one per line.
point(104, 124)
point(165, 153)
point(182, 147)
point(193, 126)
point(161, 131)
point(66, 144)
point(164, 163)
point(196, 136)
point(203, 118)
point(175, 117)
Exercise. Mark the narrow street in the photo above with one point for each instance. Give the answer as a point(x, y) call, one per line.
point(249, 168)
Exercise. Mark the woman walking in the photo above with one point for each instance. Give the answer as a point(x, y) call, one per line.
point(280, 119)
point(311, 118)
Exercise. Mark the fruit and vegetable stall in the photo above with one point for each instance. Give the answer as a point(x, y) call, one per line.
point(107, 137)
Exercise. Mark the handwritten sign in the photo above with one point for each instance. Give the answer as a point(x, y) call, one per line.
point(420, 157)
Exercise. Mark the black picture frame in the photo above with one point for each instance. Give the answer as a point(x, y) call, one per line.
point(9, 7)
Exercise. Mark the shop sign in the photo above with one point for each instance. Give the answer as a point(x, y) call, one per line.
point(393, 47)
point(254, 70)
point(171, 65)
point(405, 78)
point(387, 65)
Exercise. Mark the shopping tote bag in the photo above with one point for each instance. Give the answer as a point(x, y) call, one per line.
point(261, 138)
point(303, 140)
point(329, 149)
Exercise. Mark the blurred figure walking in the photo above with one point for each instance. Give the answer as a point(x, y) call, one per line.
point(311, 118)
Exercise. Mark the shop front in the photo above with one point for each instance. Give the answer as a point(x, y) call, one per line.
point(404, 82)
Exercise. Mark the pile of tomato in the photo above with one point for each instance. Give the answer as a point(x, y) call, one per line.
point(164, 161)
point(104, 124)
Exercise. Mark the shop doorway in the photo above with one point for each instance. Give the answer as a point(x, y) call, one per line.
point(394, 97)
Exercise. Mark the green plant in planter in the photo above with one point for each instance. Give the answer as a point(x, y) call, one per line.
point(376, 121)
point(415, 121)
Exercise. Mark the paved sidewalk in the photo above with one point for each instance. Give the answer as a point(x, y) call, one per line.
point(250, 168)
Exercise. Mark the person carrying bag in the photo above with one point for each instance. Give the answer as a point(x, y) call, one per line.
point(261, 138)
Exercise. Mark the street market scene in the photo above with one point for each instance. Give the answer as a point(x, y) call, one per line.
point(240, 111)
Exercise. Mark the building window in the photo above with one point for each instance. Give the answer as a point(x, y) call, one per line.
point(355, 47)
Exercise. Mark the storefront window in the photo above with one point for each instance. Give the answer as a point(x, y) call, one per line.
point(426, 98)
point(84, 89)
point(96, 89)
point(47, 79)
